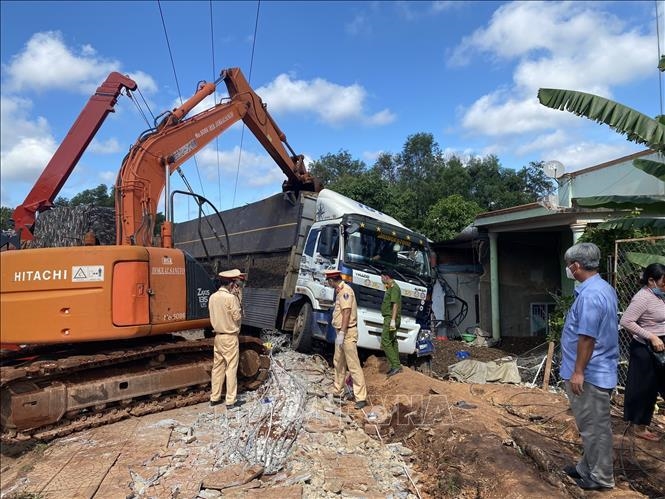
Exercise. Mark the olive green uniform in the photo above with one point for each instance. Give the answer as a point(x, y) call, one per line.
point(389, 338)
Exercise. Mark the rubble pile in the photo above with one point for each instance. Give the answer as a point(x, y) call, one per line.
point(66, 226)
point(288, 439)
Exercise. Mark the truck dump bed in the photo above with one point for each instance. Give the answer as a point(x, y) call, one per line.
point(265, 241)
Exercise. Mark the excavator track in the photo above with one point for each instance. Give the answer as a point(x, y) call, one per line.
point(47, 393)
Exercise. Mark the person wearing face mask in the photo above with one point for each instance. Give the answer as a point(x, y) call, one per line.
point(645, 320)
point(590, 354)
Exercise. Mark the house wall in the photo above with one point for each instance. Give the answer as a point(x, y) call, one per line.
point(611, 179)
point(529, 270)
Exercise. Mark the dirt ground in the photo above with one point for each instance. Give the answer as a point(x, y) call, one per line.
point(460, 440)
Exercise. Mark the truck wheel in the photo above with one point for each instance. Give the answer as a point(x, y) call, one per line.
point(302, 335)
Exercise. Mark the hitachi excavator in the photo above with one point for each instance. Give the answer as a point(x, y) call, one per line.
point(89, 326)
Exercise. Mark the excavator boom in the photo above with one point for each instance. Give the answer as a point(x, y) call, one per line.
point(158, 153)
point(66, 157)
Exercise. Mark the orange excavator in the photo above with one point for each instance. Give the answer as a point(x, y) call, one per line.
point(89, 327)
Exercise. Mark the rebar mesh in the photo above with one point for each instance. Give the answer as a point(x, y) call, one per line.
point(628, 259)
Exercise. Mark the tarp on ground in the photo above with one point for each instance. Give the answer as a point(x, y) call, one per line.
point(474, 371)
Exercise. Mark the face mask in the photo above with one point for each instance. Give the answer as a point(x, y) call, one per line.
point(658, 292)
point(569, 273)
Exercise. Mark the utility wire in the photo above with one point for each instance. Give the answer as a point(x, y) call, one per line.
point(660, 73)
point(249, 79)
point(214, 78)
point(175, 76)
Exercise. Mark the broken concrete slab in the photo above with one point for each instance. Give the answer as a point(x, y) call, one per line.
point(231, 476)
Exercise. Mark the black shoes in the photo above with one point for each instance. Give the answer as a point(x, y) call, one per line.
point(213, 403)
point(237, 403)
point(588, 484)
point(571, 471)
point(360, 404)
point(394, 371)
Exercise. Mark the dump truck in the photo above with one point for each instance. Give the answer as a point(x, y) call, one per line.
point(285, 242)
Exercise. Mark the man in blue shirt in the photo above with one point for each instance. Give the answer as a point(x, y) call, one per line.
point(590, 352)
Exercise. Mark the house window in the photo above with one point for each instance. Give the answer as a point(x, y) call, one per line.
point(539, 317)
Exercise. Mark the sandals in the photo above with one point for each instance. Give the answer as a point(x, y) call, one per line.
point(647, 435)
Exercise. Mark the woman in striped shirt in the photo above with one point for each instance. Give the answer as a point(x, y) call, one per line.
point(645, 320)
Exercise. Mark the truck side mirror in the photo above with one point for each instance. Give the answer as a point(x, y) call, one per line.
point(329, 241)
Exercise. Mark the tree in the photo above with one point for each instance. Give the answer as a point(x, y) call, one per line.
point(330, 168)
point(6, 218)
point(99, 196)
point(449, 216)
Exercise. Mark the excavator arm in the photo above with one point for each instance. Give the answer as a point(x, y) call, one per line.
point(159, 152)
point(71, 149)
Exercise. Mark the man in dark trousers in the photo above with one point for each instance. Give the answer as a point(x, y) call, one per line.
point(590, 354)
point(391, 310)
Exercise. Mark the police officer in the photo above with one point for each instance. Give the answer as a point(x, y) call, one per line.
point(345, 322)
point(391, 310)
point(225, 316)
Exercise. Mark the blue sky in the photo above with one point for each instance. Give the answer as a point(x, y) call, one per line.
point(355, 76)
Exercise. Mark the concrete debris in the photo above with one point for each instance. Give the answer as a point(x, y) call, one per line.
point(232, 476)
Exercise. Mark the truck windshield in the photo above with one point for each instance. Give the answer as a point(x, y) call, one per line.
point(384, 251)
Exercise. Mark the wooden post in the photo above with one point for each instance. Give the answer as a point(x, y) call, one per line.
point(548, 365)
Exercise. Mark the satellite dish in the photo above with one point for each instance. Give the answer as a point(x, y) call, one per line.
point(554, 169)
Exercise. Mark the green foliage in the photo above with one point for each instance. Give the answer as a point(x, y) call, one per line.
point(332, 168)
point(408, 185)
point(644, 259)
point(637, 127)
point(99, 196)
point(448, 217)
point(605, 238)
point(557, 318)
point(5, 218)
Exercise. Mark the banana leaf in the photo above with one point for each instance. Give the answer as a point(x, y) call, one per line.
point(644, 259)
point(655, 168)
point(638, 127)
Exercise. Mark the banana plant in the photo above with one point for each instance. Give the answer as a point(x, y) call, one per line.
point(638, 128)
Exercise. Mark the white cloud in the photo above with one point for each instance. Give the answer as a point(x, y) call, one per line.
point(496, 115)
point(553, 44)
point(545, 141)
point(26, 145)
point(110, 146)
point(46, 63)
point(108, 177)
point(359, 25)
point(331, 103)
point(444, 5)
point(370, 157)
point(584, 154)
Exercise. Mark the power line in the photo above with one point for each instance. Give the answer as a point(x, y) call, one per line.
point(214, 77)
point(660, 73)
point(175, 76)
point(249, 79)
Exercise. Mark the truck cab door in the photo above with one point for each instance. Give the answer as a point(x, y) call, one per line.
point(321, 244)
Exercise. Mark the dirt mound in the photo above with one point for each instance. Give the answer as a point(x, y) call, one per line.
point(496, 440)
